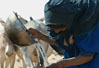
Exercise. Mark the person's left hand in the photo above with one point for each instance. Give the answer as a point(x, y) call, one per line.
point(55, 65)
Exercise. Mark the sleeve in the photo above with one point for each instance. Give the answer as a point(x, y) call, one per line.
point(86, 53)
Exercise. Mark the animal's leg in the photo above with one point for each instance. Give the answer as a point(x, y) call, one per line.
point(6, 64)
point(42, 52)
point(19, 54)
point(1, 62)
point(26, 58)
point(40, 62)
point(12, 60)
point(24, 65)
point(2, 58)
point(38, 58)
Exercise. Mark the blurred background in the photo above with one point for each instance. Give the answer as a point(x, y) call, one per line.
point(25, 8)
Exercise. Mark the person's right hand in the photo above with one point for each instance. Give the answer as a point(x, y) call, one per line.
point(34, 32)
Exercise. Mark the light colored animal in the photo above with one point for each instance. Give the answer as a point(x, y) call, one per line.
point(28, 54)
point(7, 52)
point(40, 26)
point(31, 50)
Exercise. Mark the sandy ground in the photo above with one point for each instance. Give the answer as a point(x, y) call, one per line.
point(54, 57)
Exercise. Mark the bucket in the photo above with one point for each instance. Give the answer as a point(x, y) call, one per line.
point(17, 32)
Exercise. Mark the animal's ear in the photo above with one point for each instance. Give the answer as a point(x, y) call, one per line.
point(15, 13)
point(24, 21)
point(31, 18)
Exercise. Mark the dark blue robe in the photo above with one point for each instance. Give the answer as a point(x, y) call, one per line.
point(85, 45)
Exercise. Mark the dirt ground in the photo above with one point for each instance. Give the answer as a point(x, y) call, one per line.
point(54, 57)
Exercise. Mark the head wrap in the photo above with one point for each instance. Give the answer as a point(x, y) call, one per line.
point(77, 15)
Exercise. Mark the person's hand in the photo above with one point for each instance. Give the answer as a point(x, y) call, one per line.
point(34, 32)
point(55, 65)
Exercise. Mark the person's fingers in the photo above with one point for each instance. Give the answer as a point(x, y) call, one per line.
point(30, 30)
point(33, 31)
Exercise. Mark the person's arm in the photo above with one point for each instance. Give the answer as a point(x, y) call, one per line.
point(41, 36)
point(71, 62)
point(76, 61)
point(84, 57)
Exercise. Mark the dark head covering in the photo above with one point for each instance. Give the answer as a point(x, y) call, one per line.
point(81, 16)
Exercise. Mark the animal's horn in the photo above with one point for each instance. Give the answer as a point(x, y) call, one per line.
point(31, 18)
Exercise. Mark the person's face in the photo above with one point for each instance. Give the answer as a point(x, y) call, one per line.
point(57, 30)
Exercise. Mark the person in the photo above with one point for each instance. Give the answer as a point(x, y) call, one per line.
point(78, 20)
